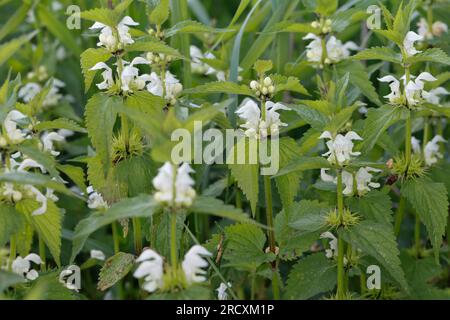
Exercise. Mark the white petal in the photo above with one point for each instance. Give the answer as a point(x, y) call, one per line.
point(34, 258)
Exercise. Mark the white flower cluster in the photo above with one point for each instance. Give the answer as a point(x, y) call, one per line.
point(31, 89)
point(174, 185)
point(332, 252)
point(414, 91)
point(151, 267)
point(324, 25)
point(200, 67)
point(11, 133)
point(363, 179)
point(95, 200)
point(222, 290)
point(436, 30)
point(117, 38)
point(257, 127)
point(336, 50)
point(340, 147)
point(22, 266)
point(170, 90)
point(431, 151)
point(263, 90)
point(158, 58)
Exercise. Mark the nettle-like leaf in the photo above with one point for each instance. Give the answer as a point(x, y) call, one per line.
point(141, 206)
point(298, 228)
point(429, 200)
point(189, 26)
point(289, 26)
point(8, 279)
point(263, 66)
point(245, 247)
point(221, 87)
point(245, 173)
point(47, 225)
point(310, 277)
point(314, 118)
point(155, 46)
point(304, 163)
point(101, 113)
point(60, 123)
point(216, 207)
point(76, 174)
point(430, 55)
point(114, 269)
point(160, 13)
point(103, 15)
point(90, 58)
point(378, 53)
point(379, 242)
point(283, 83)
point(375, 205)
point(326, 7)
point(11, 221)
point(378, 121)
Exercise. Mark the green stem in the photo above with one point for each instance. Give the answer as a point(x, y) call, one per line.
point(253, 287)
point(173, 240)
point(417, 242)
point(12, 252)
point(275, 285)
point(42, 253)
point(399, 215)
point(116, 238)
point(137, 234)
point(362, 282)
point(341, 244)
point(408, 135)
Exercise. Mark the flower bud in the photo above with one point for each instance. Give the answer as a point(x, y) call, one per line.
point(264, 91)
point(267, 81)
point(254, 85)
point(271, 89)
point(327, 61)
point(3, 142)
point(315, 24)
point(17, 196)
point(328, 22)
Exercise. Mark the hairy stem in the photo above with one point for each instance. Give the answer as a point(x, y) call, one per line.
point(173, 240)
point(116, 238)
point(417, 241)
point(399, 215)
point(341, 244)
point(408, 135)
point(137, 234)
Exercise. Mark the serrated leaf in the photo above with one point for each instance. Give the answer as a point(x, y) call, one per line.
point(379, 242)
point(375, 205)
point(103, 15)
point(155, 47)
point(221, 87)
point(41, 157)
point(90, 58)
point(429, 200)
point(76, 174)
point(101, 113)
point(245, 247)
point(378, 53)
point(262, 66)
point(141, 206)
point(315, 118)
point(216, 207)
point(310, 277)
point(430, 55)
point(160, 13)
point(392, 35)
point(304, 163)
point(47, 225)
point(114, 269)
point(11, 222)
point(189, 26)
point(61, 123)
point(326, 7)
point(293, 84)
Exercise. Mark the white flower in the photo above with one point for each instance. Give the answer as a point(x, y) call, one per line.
point(69, 283)
point(333, 251)
point(255, 126)
point(437, 29)
point(336, 51)
point(394, 84)
point(30, 163)
point(107, 38)
point(108, 80)
point(98, 255)
point(48, 139)
point(172, 84)
point(151, 269)
point(408, 43)
point(40, 197)
point(197, 65)
point(415, 144)
point(130, 77)
point(14, 134)
point(222, 293)
point(29, 91)
point(95, 199)
point(433, 96)
point(164, 184)
point(194, 263)
point(340, 148)
point(431, 150)
point(10, 193)
point(364, 179)
point(22, 266)
point(53, 96)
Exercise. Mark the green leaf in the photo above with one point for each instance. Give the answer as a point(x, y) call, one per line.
point(101, 113)
point(378, 121)
point(189, 26)
point(313, 117)
point(76, 174)
point(155, 47)
point(430, 55)
point(41, 157)
point(246, 174)
point(287, 26)
point(195, 292)
point(391, 35)
point(293, 84)
point(8, 279)
point(245, 247)
point(326, 7)
point(288, 184)
point(310, 277)
point(90, 58)
point(141, 206)
point(58, 29)
point(11, 222)
point(103, 15)
point(375, 205)
point(378, 53)
point(221, 87)
point(160, 13)
point(114, 269)
point(304, 163)
point(262, 66)
point(15, 20)
point(47, 225)
point(299, 227)
point(61, 123)
point(8, 49)
point(429, 200)
point(216, 207)
point(36, 179)
point(379, 242)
